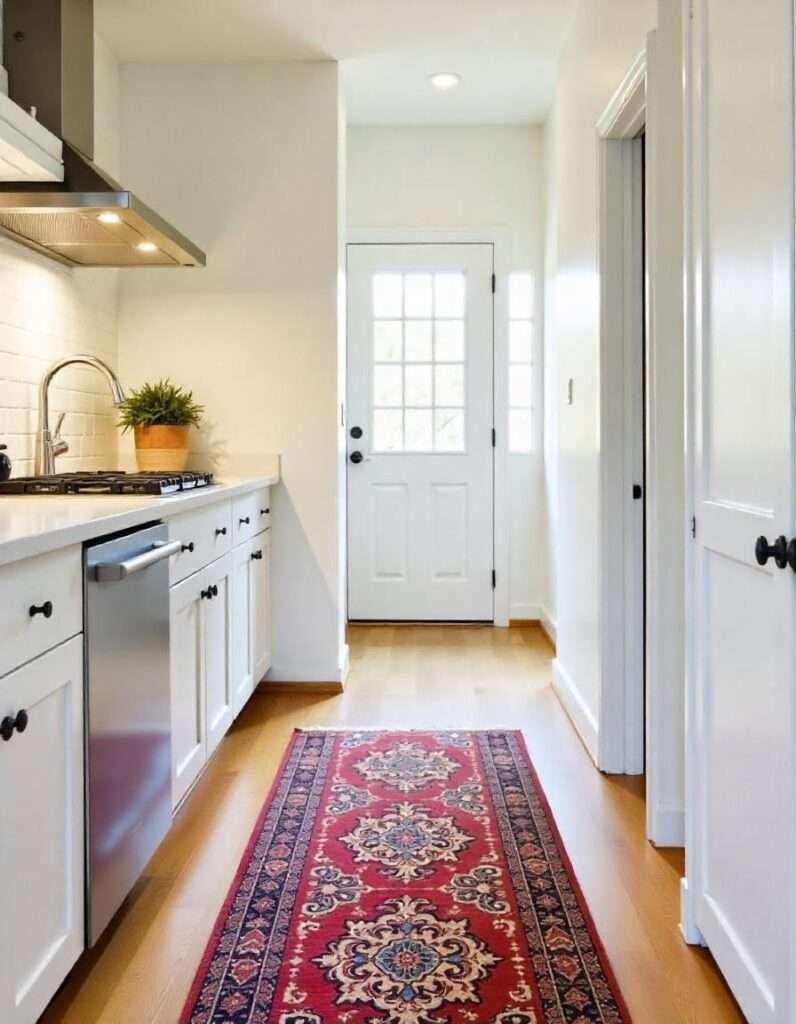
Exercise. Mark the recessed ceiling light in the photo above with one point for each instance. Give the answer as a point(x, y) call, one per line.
point(109, 218)
point(147, 247)
point(445, 80)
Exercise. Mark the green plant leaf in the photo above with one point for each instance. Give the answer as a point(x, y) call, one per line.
point(161, 404)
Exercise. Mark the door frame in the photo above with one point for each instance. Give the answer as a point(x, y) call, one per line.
point(498, 239)
point(620, 726)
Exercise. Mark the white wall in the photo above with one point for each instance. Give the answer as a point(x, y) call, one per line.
point(48, 311)
point(606, 37)
point(441, 178)
point(244, 160)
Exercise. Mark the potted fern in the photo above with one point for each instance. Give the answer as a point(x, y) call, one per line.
point(161, 416)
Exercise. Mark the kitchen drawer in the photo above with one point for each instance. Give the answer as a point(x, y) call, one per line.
point(251, 513)
point(206, 534)
point(41, 604)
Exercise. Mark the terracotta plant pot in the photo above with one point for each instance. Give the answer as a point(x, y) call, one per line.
point(161, 448)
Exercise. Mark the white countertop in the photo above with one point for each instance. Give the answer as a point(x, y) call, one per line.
point(33, 524)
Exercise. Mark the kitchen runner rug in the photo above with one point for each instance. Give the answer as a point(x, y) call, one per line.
point(405, 878)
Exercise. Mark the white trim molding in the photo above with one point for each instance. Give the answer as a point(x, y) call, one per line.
point(620, 737)
point(579, 712)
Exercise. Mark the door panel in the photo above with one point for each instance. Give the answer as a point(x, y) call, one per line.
point(241, 611)
point(41, 850)
point(420, 391)
point(741, 847)
point(261, 605)
point(218, 650)
point(188, 748)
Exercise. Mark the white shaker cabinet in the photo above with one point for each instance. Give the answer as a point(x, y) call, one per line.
point(41, 847)
point(188, 747)
point(251, 616)
point(218, 650)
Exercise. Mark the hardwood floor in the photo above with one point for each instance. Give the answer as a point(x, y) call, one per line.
point(422, 676)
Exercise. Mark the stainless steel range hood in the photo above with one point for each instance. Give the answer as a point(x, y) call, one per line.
point(90, 220)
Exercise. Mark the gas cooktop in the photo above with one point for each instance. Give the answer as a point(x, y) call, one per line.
point(157, 484)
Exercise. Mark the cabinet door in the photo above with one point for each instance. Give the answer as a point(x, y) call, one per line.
point(261, 604)
point(188, 748)
point(218, 649)
point(41, 847)
point(241, 611)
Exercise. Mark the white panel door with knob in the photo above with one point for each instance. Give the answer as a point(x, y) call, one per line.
point(419, 432)
point(740, 842)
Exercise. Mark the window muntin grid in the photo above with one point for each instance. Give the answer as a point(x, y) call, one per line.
point(418, 382)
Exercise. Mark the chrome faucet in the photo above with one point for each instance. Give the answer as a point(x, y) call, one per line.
point(49, 445)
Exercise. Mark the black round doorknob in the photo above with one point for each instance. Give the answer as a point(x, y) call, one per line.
point(356, 433)
point(45, 609)
point(356, 457)
point(778, 551)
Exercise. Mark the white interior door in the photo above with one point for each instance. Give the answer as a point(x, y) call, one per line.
point(420, 442)
point(741, 845)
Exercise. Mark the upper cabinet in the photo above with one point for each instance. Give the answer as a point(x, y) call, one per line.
point(28, 151)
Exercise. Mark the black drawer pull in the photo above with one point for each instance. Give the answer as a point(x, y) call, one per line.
point(257, 555)
point(207, 594)
point(45, 609)
point(214, 589)
point(264, 511)
point(221, 531)
point(244, 519)
point(188, 546)
point(9, 724)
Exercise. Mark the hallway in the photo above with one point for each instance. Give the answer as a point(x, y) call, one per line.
point(424, 676)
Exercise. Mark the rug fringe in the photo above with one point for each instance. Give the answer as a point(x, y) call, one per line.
point(387, 728)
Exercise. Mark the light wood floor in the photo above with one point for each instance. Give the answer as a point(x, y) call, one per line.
point(420, 676)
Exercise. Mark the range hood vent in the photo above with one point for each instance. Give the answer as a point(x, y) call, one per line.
point(89, 220)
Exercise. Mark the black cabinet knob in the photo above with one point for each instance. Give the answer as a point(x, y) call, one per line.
point(11, 722)
point(188, 546)
point(45, 609)
point(264, 511)
point(356, 433)
point(356, 457)
point(221, 531)
point(778, 551)
point(257, 555)
point(244, 520)
point(206, 595)
point(214, 589)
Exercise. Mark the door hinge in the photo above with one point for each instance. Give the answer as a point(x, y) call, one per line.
point(494, 579)
point(638, 493)
point(494, 437)
point(494, 284)
point(693, 526)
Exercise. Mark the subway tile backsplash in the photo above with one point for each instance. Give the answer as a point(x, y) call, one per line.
point(48, 311)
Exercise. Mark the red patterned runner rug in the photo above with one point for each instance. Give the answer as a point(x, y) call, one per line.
point(405, 878)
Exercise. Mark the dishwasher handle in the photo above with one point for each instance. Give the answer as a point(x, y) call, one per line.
point(109, 571)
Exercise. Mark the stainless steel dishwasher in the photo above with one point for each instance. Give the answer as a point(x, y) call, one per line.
point(128, 771)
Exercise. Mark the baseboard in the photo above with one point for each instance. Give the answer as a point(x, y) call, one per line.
point(688, 929)
point(521, 612)
point(548, 624)
point(345, 664)
point(315, 687)
point(666, 825)
point(579, 713)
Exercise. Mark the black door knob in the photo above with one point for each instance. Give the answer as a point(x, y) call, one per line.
point(357, 457)
point(244, 520)
point(45, 609)
point(257, 555)
point(221, 531)
point(264, 511)
point(778, 551)
point(188, 546)
point(10, 723)
point(356, 433)
point(207, 594)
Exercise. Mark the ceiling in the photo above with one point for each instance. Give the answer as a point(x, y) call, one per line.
point(505, 50)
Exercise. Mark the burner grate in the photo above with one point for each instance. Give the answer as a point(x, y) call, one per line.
point(149, 482)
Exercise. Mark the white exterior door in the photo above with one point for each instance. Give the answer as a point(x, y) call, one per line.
point(419, 426)
point(741, 713)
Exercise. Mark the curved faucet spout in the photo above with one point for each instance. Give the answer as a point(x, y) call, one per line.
point(48, 446)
